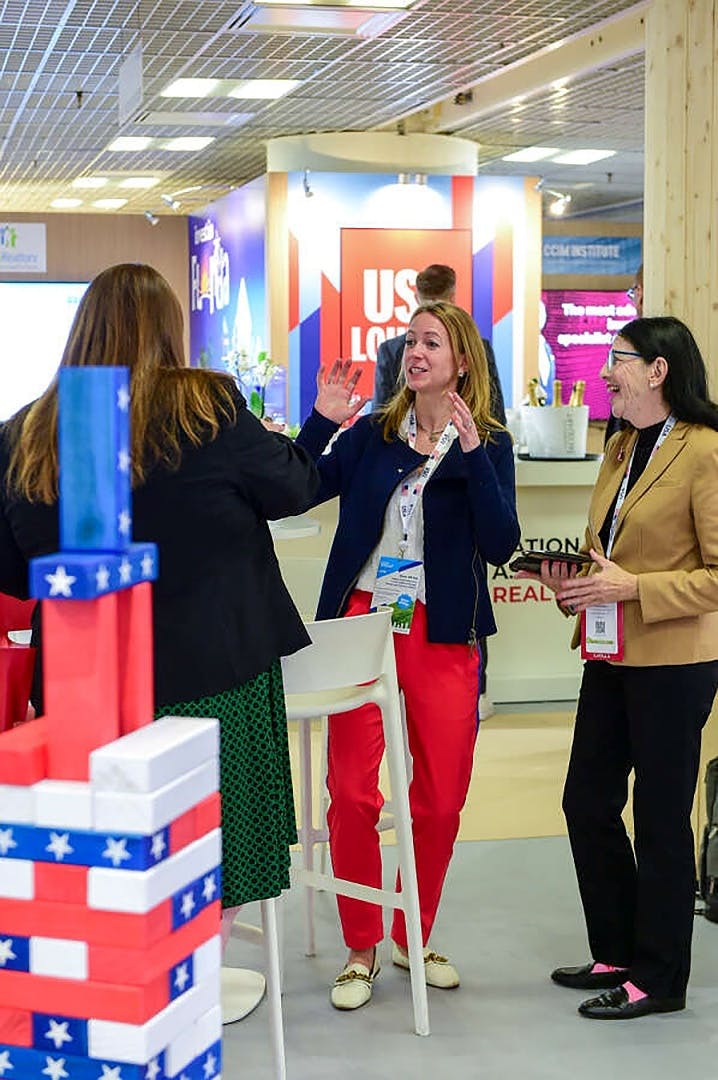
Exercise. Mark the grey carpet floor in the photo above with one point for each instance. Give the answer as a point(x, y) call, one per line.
point(510, 913)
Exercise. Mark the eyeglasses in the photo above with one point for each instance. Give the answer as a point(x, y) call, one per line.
point(616, 356)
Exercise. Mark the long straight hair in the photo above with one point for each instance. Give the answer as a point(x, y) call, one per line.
point(128, 316)
point(474, 387)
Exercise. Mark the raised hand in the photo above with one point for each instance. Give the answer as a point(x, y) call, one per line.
point(464, 423)
point(335, 398)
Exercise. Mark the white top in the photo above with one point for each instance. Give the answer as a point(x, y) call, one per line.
point(392, 537)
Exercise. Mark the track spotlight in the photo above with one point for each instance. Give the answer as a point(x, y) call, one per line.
point(169, 200)
point(559, 204)
point(151, 218)
point(308, 193)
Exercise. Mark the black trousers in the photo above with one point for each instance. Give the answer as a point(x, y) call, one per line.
point(638, 900)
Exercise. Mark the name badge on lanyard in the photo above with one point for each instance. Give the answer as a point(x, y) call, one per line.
point(602, 624)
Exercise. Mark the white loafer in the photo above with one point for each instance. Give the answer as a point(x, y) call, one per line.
point(438, 971)
point(353, 986)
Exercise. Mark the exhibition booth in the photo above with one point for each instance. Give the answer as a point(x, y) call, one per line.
point(317, 259)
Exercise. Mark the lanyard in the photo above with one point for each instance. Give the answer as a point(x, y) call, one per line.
point(411, 491)
point(622, 491)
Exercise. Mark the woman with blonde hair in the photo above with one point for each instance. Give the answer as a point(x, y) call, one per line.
point(206, 477)
point(427, 481)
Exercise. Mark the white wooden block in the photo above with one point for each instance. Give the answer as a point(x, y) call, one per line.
point(63, 804)
point(138, 891)
point(207, 959)
point(17, 803)
point(155, 754)
point(136, 1044)
point(17, 879)
point(193, 1042)
point(59, 957)
point(131, 812)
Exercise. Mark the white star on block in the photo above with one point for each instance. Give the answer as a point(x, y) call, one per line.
point(123, 398)
point(55, 1069)
point(124, 522)
point(116, 851)
point(102, 578)
point(153, 1070)
point(111, 1074)
point(210, 1065)
point(60, 582)
point(147, 564)
point(187, 904)
point(123, 461)
point(58, 1034)
point(59, 845)
point(6, 952)
point(209, 888)
point(6, 841)
point(125, 572)
point(182, 977)
point(5, 1062)
point(158, 846)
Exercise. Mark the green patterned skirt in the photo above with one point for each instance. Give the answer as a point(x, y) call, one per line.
point(258, 824)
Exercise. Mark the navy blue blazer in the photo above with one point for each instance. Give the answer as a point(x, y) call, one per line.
point(469, 519)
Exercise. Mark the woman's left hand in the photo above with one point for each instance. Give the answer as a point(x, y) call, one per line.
point(608, 586)
point(464, 423)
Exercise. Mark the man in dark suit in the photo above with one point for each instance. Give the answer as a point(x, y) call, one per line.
point(435, 282)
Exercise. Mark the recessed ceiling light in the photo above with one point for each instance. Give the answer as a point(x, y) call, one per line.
point(531, 153)
point(89, 182)
point(263, 88)
point(188, 142)
point(65, 204)
point(582, 157)
point(109, 204)
point(131, 142)
point(140, 182)
point(189, 88)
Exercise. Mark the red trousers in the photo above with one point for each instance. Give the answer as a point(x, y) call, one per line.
point(441, 692)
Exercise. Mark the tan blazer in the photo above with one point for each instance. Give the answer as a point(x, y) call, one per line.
point(667, 533)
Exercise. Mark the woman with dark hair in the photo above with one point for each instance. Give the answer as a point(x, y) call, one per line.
point(649, 634)
point(427, 481)
point(206, 477)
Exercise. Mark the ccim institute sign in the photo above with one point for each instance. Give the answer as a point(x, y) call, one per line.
point(591, 254)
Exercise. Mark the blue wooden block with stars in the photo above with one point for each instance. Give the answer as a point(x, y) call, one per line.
point(21, 1063)
point(94, 455)
point(78, 575)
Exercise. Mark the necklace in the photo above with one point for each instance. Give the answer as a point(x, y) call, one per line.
point(432, 434)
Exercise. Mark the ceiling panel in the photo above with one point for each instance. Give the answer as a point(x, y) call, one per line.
point(51, 49)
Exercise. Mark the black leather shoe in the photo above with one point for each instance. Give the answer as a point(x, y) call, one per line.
point(614, 1005)
point(584, 978)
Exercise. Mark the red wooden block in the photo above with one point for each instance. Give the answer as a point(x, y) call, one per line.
point(137, 690)
point(196, 822)
point(16, 1027)
point(63, 884)
point(208, 814)
point(80, 923)
point(81, 681)
point(99, 1001)
point(137, 967)
point(23, 753)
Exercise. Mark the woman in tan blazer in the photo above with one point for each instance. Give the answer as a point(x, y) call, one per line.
point(645, 696)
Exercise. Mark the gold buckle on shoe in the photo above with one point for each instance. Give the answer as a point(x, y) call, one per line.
point(350, 976)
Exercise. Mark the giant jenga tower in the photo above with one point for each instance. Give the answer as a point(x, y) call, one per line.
point(110, 845)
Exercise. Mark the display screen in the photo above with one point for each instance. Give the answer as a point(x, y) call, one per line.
point(35, 319)
point(575, 338)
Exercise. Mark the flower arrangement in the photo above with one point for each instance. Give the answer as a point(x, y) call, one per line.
point(253, 376)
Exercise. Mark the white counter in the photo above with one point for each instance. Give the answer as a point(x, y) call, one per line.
point(529, 657)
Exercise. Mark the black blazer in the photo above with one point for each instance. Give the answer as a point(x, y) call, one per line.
point(221, 611)
point(388, 366)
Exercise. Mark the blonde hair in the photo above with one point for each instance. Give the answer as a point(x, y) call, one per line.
point(128, 316)
point(474, 388)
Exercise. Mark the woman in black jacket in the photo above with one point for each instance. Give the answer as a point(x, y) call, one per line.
point(206, 477)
